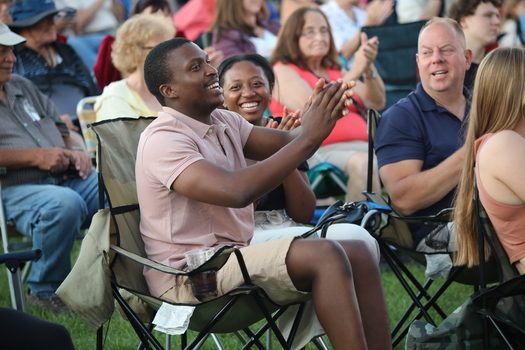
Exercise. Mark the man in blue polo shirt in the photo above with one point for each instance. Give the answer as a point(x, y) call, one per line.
point(419, 140)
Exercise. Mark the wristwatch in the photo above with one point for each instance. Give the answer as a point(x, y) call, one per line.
point(371, 76)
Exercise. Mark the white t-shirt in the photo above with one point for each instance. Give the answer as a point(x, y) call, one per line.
point(343, 27)
point(265, 45)
point(103, 21)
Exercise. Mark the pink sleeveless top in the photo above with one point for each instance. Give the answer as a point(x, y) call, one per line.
point(508, 220)
point(351, 127)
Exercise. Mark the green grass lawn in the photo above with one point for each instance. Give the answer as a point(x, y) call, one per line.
point(120, 335)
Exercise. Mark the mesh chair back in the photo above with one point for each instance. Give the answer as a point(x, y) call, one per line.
point(116, 154)
point(396, 58)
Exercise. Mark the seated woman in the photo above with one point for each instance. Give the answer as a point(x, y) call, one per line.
point(52, 65)
point(346, 19)
point(93, 21)
point(243, 27)
point(103, 69)
point(130, 97)
point(511, 25)
point(306, 52)
point(494, 151)
point(247, 81)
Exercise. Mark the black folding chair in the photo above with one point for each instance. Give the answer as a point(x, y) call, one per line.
point(396, 58)
point(121, 276)
point(394, 237)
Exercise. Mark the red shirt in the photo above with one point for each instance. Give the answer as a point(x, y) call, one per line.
point(351, 127)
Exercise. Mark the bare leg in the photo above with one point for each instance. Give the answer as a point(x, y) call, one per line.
point(357, 170)
point(370, 295)
point(322, 267)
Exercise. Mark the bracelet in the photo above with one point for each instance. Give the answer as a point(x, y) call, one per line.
point(76, 149)
point(371, 76)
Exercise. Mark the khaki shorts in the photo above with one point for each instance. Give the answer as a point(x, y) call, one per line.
point(266, 264)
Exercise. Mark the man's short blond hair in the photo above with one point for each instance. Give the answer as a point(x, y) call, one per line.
point(448, 22)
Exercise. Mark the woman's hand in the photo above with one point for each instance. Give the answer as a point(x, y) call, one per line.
point(289, 121)
point(363, 58)
point(377, 12)
point(349, 92)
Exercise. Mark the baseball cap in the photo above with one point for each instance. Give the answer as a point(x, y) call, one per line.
point(7, 37)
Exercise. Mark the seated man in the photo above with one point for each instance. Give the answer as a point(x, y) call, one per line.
point(50, 190)
point(480, 21)
point(418, 141)
point(195, 190)
point(51, 65)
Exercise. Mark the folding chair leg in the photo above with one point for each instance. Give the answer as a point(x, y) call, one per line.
point(216, 340)
point(212, 323)
point(395, 269)
point(271, 323)
point(144, 334)
point(168, 341)
point(15, 284)
point(100, 337)
point(254, 340)
point(501, 333)
point(321, 343)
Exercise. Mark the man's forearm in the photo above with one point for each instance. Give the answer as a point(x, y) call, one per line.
point(17, 158)
point(423, 189)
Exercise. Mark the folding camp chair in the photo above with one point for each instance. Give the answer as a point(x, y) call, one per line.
point(13, 241)
point(493, 317)
point(86, 115)
point(396, 58)
point(394, 236)
point(122, 277)
point(14, 262)
point(502, 306)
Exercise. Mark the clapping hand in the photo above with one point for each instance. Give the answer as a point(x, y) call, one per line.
point(289, 121)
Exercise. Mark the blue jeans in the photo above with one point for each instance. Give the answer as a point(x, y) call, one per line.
point(86, 47)
point(51, 212)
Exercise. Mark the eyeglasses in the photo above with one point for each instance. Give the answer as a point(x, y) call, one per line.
point(7, 3)
point(147, 47)
point(310, 33)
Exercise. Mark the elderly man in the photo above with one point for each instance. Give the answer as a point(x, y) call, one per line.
point(418, 141)
point(50, 190)
point(480, 20)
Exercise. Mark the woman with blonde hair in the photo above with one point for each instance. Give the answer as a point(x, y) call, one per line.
point(494, 149)
point(130, 97)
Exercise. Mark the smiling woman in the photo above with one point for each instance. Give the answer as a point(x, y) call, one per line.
point(248, 81)
point(305, 52)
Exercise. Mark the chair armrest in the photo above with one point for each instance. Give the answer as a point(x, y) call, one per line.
point(215, 263)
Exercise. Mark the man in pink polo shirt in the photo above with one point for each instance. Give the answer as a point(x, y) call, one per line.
point(195, 190)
